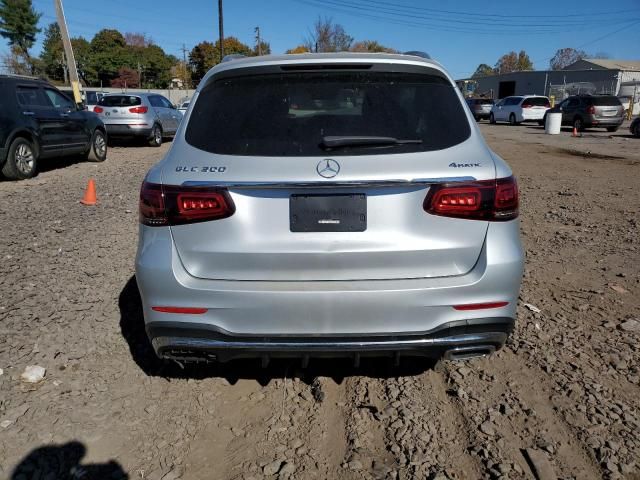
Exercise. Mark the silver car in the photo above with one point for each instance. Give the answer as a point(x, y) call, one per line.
point(328, 204)
point(146, 115)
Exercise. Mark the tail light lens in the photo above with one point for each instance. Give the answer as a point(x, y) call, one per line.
point(493, 200)
point(526, 105)
point(591, 109)
point(98, 109)
point(162, 205)
point(141, 109)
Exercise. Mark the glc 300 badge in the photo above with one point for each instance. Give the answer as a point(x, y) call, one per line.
point(328, 168)
point(205, 169)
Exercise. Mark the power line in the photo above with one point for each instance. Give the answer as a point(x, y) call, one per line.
point(357, 8)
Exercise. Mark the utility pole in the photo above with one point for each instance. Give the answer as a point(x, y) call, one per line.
point(68, 50)
point(184, 62)
point(258, 40)
point(220, 29)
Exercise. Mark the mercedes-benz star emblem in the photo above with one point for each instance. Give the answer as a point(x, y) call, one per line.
point(328, 168)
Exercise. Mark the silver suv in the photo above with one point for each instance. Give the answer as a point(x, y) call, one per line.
point(328, 204)
point(146, 115)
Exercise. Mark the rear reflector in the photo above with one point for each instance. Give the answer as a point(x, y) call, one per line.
point(162, 205)
point(181, 310)
point(98, 109)
point(493, 200)
point(480, 306)
point(141, 109)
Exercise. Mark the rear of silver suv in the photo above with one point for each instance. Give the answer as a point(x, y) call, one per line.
point(328, 204)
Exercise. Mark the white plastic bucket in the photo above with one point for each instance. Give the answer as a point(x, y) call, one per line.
point(554, 121)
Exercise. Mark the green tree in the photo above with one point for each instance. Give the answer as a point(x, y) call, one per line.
point(108, 54)
point(482, 71)
point(82, 53)
point(52, 56)
point(19, 25)
point(371, 46)
point(206, 55)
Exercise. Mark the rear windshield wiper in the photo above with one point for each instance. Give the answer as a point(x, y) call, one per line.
point(363, 141)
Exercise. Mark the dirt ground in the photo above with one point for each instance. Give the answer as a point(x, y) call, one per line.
point(561, 400)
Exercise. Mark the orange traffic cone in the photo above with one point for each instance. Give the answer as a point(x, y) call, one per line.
point(90, 194)
point(575, 132)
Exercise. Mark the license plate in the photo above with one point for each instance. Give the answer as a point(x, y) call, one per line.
point(609, 113)
point(328, 213)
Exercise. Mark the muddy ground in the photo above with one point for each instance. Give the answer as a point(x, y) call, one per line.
point(561, 400)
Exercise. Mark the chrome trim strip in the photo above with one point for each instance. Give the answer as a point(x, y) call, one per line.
point(330, 183)
point(479, 339)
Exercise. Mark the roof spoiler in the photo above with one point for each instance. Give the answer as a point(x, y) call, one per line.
point(232, 56)
point(417, 53)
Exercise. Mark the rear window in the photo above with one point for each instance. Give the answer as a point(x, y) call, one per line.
point(92, 98)
point(288, 114)
point(484, 101)
point(536, 102)
point(605, 101)
point(120, 101)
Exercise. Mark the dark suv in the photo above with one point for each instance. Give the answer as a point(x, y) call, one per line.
point(585, 111)
point(38, 122)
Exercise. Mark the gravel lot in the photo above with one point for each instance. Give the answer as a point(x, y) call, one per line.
point(561, 400)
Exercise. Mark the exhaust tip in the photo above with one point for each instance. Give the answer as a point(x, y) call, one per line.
point(468, 352)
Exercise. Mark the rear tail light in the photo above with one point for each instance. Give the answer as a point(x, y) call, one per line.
point(493, 200)
point(591, 109)
point(98, 109)
point(162, 205)
point(480, 306)
point(526, 105)
point(141, 109)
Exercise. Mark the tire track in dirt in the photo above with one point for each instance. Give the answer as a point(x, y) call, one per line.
point(508, 408)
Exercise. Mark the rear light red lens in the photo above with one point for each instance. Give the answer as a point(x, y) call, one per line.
point(493, 200)
point(176, 205)
point(526, 105)
point(141, 109)
point(591, 109)
point(181, 310)
point(98, 109)
point(481, 306)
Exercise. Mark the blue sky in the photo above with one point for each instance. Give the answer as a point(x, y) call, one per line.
point(460, 34)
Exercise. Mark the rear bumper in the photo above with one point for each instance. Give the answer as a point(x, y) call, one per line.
point(249, 318)
point(604, 121)
point(123, 130)
point(199, 343)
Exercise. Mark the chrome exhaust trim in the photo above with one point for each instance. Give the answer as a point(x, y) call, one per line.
point(469, 351)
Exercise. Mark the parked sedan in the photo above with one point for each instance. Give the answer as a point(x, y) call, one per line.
point(585, 111)
point(518, 109)
point(144, 115)
point(37, 122)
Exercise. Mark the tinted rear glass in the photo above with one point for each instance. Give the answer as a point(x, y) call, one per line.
point(288, 114)
point(536, 102)
point(120, 101)
point(92, 98)
point(605, 101)
point(484, 101)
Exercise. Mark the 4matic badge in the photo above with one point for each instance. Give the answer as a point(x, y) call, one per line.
point(462, 165)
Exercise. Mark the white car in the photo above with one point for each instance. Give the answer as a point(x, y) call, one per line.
point(521, 108)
